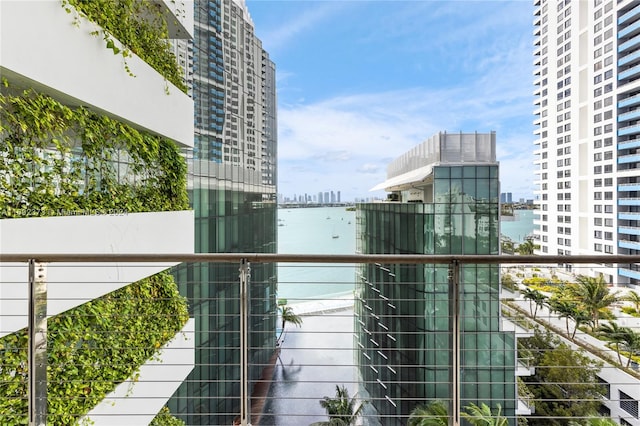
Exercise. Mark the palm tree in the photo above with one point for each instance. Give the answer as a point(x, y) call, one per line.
point(527, 247)
point(341, 409)
point(594, 294)
point(565, 309)
point(614, 334)
point(482, 415)
point(534, 297)
point(630, 343)
point(634, 298)
point(287, 315)
point(435, 413)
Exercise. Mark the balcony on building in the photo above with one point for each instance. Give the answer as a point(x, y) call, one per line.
point(629, 158)
point(76, 60)
point(633, 129)
point(629, 31)
point(629, 74)
point(629, 101)
point(629, 44)
point(629, 115)
point(631, 15)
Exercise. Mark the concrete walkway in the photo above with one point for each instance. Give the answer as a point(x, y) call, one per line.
point(313, 360)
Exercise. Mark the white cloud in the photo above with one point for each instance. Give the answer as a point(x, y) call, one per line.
point(340, 136)
point(287, 31)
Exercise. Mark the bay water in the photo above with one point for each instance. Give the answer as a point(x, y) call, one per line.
point(332, 230)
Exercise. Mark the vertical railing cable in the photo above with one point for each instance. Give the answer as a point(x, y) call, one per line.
point(37, 329)
point(454, 304)
point(245, 397)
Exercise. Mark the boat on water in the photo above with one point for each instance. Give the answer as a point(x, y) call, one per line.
point(335, 236)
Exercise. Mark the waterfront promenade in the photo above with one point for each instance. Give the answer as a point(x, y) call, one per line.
point(313, 360)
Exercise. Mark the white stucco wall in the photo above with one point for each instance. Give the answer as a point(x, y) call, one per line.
point(72, 284)
point(138, 401)
point(41, 48)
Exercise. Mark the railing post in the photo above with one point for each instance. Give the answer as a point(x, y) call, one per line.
point(37, 350)
point(454, 312)
point(245, 397)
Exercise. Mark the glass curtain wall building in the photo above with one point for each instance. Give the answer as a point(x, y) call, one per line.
point(233, 193)
point(443, 199)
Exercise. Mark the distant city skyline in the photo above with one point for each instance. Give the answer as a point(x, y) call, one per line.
point(355, 92)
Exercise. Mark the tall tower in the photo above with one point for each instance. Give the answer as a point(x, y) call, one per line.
point(233, 194)
point(447, 193)
point(586, 87)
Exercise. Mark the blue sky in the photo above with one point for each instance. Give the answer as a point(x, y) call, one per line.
point(361, 82)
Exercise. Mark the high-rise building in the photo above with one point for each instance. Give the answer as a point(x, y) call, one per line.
point(233, 193)
point(586, 108)
point(443, 199)
point(506, 197)
point(92, 145)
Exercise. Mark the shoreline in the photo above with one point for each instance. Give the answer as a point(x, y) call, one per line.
point(321, 306)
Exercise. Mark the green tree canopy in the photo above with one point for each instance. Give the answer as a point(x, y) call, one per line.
point(565, 385)
point(435, 413)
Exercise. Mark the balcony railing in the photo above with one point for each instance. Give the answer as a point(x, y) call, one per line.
point(307, 363)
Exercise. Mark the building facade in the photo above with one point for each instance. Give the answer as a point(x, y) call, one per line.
point(92, 147)
point(443, 199)
point(233, 194)
point(586, 86)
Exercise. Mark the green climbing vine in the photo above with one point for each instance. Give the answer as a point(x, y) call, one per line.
point(139, 25)
point(57, 160)
point(92, 348)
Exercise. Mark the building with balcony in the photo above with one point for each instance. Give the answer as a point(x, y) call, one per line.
point(415, 330)
point(93, 142)
point(232, 190)
point(587, 93)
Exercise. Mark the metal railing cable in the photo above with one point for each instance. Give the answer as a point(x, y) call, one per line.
point(37, 327)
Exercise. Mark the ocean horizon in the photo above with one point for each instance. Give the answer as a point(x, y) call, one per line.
point(332, 230)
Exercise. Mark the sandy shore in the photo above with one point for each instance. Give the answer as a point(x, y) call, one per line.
point(320, 306)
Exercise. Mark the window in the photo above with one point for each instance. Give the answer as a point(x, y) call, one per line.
point(597, 195)
point(597, 208)
point(597, 170)
point(597, 221)
point(608, 195)
point(609, 249)
point(597, 247)
point(608, 236)
point(597, 235)
point(597, 183)
point(597, 156)
point(608, 222)
point(608, 182)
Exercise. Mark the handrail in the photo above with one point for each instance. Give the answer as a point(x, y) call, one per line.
point(318, 258)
